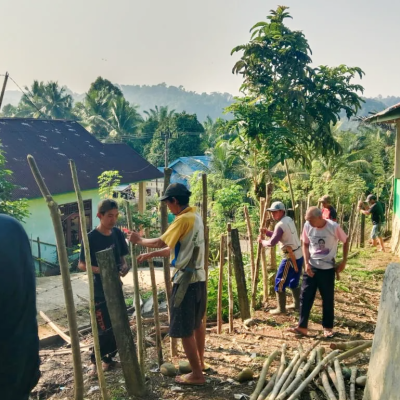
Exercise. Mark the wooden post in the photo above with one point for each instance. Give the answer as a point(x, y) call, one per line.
point(220, 282)
point(291, 193)
point(39, 252)
point(134, 381)
point(3, 89)
point(166, 261)
point(136, 294)
point(264, 266)
point(308, 201)
point(230, 291)
point(206, 238)
point(244, 306)
point(92, 309)
point(56, 328)
point(155, 306)
point(250, 236)
point(66, 279)
point(142, 197)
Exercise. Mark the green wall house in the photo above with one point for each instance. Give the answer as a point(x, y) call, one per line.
point(53, 143)
point(392, 116)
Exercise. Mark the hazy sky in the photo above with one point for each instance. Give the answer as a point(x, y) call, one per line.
point(186, 42)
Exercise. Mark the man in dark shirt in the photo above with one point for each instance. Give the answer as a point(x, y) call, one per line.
point(378, 218)
point(19, 341)
point(105, 236)
point(328, 211)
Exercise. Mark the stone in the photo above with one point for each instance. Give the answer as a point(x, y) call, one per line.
point(168, 369)
point(249, 322)
point(361, 380)
point(184, 367)
point(246, 375)
point(383, 372)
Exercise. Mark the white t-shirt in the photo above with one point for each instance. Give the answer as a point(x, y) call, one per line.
point(289, 236)
point(323, 243)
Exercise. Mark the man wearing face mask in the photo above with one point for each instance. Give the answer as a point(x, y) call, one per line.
point(289, 270)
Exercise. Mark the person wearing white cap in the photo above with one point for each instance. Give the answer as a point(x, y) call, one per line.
point(289, 271)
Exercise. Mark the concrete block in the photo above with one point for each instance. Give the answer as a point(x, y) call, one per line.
point(383, 380)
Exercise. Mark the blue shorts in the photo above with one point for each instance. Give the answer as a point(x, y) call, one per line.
point(287, 275)
point(377, 231)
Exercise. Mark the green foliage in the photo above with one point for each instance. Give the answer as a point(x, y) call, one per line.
point(108, 182)
point(228, 200)
point(16, 208)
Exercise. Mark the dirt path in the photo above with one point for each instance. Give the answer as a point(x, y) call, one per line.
point(357, 299)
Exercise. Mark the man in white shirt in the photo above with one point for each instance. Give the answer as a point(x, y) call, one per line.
point(320, 240)
point(289, 270)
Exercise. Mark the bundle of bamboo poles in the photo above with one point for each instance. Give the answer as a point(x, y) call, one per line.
point(309, 370)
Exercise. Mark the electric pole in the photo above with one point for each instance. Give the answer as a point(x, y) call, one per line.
point(3, 89)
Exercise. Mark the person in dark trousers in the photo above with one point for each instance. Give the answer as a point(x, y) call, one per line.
point(320, 240)
point(179, 241)
point(105, 236)
point(377, 213)
point(328, 211)
point(289, 270)
point(19, 341)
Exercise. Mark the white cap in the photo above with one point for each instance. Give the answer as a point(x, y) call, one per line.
point(276, 206)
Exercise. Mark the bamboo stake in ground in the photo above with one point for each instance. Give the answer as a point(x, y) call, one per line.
point(155, 306)
point(206, 234)
point(250, 237)
point(88, 261)
point(134, 381)
point(291, 194)
point(264, 371)
point(264, 267)
point(136, 294)
point(313, 374)
point(353, 383)
point(66, 279)
point(230, 291)
point(339, 376)
point(324, 378)
point(220, 282)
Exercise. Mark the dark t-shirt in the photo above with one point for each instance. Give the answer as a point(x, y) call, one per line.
point(377, 214)
point(329, 213)
point(98, 242)
point(19, 341)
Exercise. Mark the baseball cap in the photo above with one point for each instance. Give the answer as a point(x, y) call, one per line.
point(371, 197)
point(106, 205)
point(276, 206)
point(325, 199)
point(175, 189)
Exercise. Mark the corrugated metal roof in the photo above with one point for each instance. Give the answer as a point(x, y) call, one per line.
point(53, 143)
point(389, 115)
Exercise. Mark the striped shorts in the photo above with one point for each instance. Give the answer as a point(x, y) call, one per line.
point(287, 275)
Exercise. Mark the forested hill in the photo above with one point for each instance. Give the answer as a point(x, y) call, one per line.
point(203, 105)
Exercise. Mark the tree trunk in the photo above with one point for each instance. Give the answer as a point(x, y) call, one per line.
point(119, 319)
point(220, 282)
point(244, 306)
point(362, 231)
point(155, 306)
point(66, 279)
point(250, 236)
point(230, 291)
point(92, 309)
point(138, 309)
point(206, 239)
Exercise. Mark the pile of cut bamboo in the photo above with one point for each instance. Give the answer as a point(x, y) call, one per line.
point(309, 370)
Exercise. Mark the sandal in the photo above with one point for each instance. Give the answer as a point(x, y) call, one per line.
point(297, 331)
point(329, 334)
point(207, 367)
point(184, 380)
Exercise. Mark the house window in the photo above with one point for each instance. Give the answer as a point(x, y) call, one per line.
point(148, 191)
point(71, 222)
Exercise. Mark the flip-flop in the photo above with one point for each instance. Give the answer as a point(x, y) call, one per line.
point(207, 367)
point(329, 335)
point(182, 380)
point(296, 331)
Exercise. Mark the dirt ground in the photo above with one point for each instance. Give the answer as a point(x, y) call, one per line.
point(357, 300)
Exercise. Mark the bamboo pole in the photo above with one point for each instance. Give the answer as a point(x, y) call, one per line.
point(264, 267)
point(136, 294)
point(339, 376)
point(282, 365)
point(353, 383)
point(88, 261)
point(283, 378)
point(134, 381)
point(220, 282)
point(155, 306)
point(291, 193)
point(356, 350)
point(206, 235)
point(348, 345)
point(324, 378)
point(66, 279)
point(268, 388)
point(263, 374)
point(230, 291)
point(55, 327)
point(332, 376)
point(250, 236)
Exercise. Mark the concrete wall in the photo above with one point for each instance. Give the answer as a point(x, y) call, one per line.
point(383, 381)
point(395, 241)
point(39, 223)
